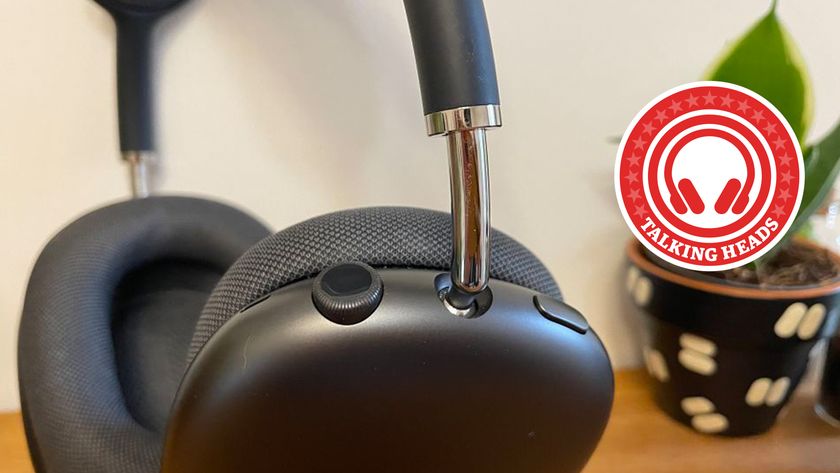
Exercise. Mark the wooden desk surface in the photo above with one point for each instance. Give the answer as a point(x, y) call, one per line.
point(639, 439)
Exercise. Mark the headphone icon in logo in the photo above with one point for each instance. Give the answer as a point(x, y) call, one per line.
point(684, 195)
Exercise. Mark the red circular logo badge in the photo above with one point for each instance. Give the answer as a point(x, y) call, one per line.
point(709, 176)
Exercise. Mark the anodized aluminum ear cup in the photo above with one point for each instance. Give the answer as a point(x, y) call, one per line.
point(382, 395)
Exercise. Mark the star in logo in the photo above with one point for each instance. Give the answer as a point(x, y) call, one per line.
point(786, 178)
point(743, 107)
point(692, 100)
point(709, 99)
point(634, 195)
point(639, 142)
point(675, 107)
point(778, 211)
point(632, 177)
point(640, 211)
point(785, 194)
point(758, 115)
point(633, 161)
point(660, 116)
point(770, 129)
point(785, 159)
point(779, 143)
point(648, 128)
point(726, 101)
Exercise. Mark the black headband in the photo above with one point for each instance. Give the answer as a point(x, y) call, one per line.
point(460, 99)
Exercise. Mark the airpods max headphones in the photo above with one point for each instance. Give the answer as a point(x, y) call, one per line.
point(178, 335)
point(684, 195)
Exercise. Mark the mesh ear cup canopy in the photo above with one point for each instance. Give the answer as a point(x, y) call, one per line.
point(76, 409)
point(381, 237)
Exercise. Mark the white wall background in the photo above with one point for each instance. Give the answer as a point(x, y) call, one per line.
point(291, 109)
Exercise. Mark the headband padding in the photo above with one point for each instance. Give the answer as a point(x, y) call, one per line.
point(398, 237)
point(77, 405)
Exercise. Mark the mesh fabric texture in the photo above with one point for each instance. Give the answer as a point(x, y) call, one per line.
point(75, 410)
point(382, 237)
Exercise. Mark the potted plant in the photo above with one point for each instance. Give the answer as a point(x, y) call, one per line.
point(726, 349)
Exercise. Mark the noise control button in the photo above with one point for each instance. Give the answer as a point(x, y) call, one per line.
point(561, 313)
point(347, 293)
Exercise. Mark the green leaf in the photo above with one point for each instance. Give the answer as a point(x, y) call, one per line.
point(766, 60)
point(821, 170)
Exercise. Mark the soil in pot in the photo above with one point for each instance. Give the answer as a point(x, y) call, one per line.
point(795, 264)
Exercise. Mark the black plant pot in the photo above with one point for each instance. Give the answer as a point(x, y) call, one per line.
point(726, 358)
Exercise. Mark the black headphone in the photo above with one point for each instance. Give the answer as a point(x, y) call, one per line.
point(684, 195)
point(176, 334)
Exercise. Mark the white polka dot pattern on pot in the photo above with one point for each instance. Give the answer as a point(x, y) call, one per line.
point(697, 354)
point(703, 416)
point(633, 274)
point(766, 392)
point(800, 320)
point(639, 286)
point(697, 405)
point(812, 322)
point(655, 363)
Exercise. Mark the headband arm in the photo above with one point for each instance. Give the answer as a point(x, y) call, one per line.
point(453, 54)
point(460, 100)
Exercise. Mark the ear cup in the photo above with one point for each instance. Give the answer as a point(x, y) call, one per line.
point(109, 312)
point(741, 202)
point(692, 197)
point(678, 203)
point(380, 237)
point(727, 197)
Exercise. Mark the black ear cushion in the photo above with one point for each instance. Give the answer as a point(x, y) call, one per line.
point(381, 237)
point(121, 275)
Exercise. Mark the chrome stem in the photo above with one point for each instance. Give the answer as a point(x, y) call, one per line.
point(470, 191)
point(138, 170)
point(465, 129)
